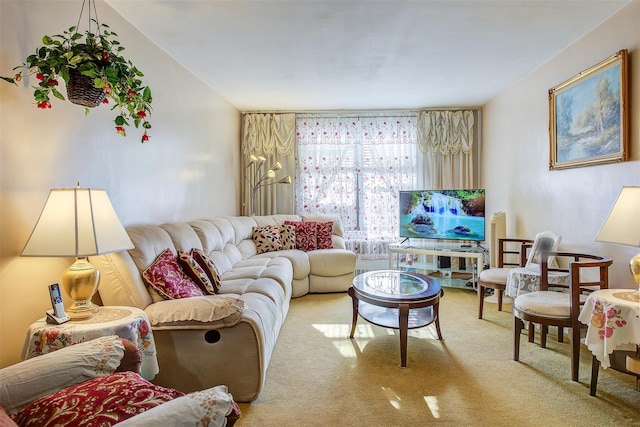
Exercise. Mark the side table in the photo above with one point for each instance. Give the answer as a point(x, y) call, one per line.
point(126, 322)
point(613, 321)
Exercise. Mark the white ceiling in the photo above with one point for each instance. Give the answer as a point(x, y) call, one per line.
point(301, 55)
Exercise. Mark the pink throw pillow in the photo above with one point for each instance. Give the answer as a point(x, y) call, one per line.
point(195, 272)
point(165, 276)
point(209, 268)
point(103, 401)
point(267, 238)
point(324, 234)
point(306, 239)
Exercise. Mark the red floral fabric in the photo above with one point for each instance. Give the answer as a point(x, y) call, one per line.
point(166, 277)
point(267, 238)
point(288, 236)
point(102, 401)
point(195, 272)
point(306, 239)
point(209, 268)
point(324, 234)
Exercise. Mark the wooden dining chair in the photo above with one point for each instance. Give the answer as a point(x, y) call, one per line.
point(511, 253)
point(559, 305)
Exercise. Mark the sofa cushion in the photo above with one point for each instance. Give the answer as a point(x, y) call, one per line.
point(225, 310)
point(40, 376)
point(192, 268)
point(324, 234)
point(209, 268)
point(306, 239)
point(331, 262)
point(288, 236)
point(166, 277)
point(101, 401)
point(267, 238)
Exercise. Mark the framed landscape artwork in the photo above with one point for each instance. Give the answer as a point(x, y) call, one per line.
point(588, 116)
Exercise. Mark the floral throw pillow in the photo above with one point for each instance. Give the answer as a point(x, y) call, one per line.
point(165, 276)
point(306, 239)
point(324, 234)
point(101, 401)
point(267, 238)
point(288, 236)
point(209, 268)
point(195, 272)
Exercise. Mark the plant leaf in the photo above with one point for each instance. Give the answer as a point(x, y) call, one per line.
point(9, 79)
point(57, 94)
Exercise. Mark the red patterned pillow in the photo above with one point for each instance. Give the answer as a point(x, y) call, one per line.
point(288, 236)
point(267, 238)
point(165, 276)
point(209, 268)
point(101, 401)
point(324, 235)
point(195, 272)
point(306, 239)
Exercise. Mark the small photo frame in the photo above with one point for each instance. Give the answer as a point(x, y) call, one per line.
point(589, 116)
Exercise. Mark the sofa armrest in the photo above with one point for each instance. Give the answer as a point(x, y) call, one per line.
point(24, 382)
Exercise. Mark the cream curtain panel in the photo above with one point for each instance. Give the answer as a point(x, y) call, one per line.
point(273, 137)
point(446, 140)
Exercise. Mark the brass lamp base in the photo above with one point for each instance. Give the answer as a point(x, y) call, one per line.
point(80, 281)
point(634, 266)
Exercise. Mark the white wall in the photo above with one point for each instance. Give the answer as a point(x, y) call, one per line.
point(572, 202)
point(188, 169)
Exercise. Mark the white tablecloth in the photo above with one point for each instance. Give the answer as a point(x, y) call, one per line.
point(523, 280)
point(613, 319)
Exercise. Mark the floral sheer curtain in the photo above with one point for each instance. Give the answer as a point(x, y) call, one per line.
point(354, 166)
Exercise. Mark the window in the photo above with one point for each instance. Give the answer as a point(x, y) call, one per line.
point(354, 167)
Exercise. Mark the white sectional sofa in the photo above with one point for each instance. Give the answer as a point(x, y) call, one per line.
point(225, 338)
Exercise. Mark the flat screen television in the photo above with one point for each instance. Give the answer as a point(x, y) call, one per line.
point(442, 215)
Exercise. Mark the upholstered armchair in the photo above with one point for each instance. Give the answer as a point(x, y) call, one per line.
point(97, 383)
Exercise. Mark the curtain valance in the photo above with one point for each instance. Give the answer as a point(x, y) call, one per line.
point(445, 132)
point(269, 134)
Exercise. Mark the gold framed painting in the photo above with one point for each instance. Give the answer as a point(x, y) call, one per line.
point(588, 116)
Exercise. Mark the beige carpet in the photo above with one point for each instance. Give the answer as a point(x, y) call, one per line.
point(319, 377)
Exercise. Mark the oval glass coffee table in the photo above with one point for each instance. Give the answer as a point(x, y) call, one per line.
point(398, 300)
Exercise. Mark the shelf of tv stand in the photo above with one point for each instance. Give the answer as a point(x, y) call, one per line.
point(447, 275)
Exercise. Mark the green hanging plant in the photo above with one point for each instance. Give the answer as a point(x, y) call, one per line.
point(95, 73)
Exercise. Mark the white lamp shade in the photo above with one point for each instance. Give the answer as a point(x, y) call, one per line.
point(622, 226)
point(77, 222)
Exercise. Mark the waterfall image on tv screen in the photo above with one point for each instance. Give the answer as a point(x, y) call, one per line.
point(442, 214)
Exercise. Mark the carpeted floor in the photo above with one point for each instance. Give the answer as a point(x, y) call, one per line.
point(319, 377)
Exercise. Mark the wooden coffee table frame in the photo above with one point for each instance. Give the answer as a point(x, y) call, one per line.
point(401, 312)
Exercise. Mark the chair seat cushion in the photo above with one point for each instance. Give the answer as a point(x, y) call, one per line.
point(545, 303)
point(495, 275)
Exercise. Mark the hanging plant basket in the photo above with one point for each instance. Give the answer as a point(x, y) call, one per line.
point(81, 91)
point(94, 70)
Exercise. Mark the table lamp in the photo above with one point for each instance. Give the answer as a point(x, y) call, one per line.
point(78, 222)
point(622, 227)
